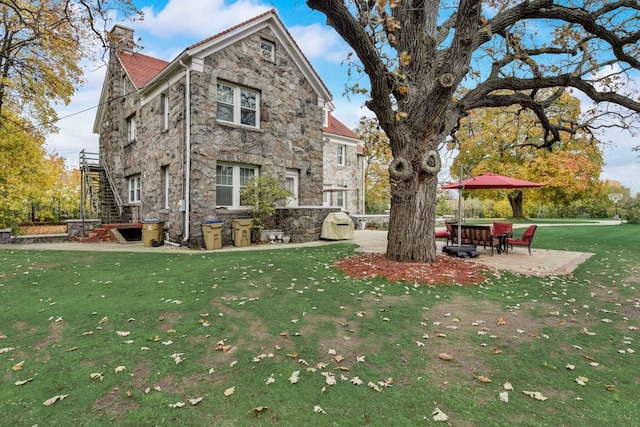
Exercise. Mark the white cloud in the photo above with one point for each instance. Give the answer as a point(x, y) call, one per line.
point(198, 18)
point(320, 42)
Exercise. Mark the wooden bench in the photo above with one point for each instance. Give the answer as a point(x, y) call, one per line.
point(477, 235)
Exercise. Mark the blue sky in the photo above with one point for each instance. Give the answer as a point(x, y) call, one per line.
point(171, 25)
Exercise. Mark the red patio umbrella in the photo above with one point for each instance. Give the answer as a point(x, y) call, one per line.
point(481, 182)
point(491, 180)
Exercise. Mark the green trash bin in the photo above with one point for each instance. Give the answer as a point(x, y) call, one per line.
point(242, 231)
point(152, 230)
point(212, 232)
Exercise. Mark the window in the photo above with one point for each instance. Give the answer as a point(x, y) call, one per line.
point(338, 199)
point(291, 185)
point(135, 189)
point(164, 176)
point(341, 150)
point(230, 180)
point(131, 129)
point(164, 108)
point(267, 50)
point(237, 105)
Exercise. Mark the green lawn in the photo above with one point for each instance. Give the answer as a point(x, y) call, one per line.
point(157, 329)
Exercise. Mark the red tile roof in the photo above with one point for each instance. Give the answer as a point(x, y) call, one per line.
point(336, 127)
point(141, 68)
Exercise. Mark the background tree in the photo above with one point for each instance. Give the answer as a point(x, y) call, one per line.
point(503, 140)
point(377, 157)
point(42, 44)
point(430, 63)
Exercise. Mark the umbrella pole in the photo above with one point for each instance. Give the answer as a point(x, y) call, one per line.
point(460, 207)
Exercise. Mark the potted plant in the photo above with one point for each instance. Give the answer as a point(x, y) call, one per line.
point(261, 195)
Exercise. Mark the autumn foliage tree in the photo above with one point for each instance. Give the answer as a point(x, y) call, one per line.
point(41, 49)
point(504, 140)
point(430, 63)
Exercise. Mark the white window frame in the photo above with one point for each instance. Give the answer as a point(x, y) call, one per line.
point(340, 198)
point(267, 50)
point(235, 179)
point(292, 176)
point(341, 152)
point(135, 188)
point(164, 99)
point(131, 128)
point(164, 170)
point(236, 104)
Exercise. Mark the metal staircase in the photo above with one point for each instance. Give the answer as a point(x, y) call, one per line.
point(99, 198)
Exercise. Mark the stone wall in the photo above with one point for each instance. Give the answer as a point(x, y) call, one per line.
point(79, 228)
point(303, 224)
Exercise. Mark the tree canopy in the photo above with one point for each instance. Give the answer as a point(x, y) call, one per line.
point(497, 140)
point(430, 63)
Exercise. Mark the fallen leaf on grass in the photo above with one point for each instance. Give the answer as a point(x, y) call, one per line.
point(317, 409)
point(502, 321)
point(504, 397)
point(194, 402)
point(123, 333)
point(18, 366)
point(120, 368)
point(259, 410)
point(611, 387)
point(582, 380)
point(419, 343)
point(483, 379)
point(176, 405)
point(507, 386)
point(570, 367)
point(496, 351)
point(438, 415)
point(270, 380)
point(23, 382)
point(535, 394)
point(339, 358)
point(445, 356)
point(97, 376)
point(356, 381)
point(228, 392)
point(54, 399)
point(374, 386)
point(295, 377)
point(6, 349)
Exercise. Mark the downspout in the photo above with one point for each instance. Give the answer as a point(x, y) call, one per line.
point(187, 161)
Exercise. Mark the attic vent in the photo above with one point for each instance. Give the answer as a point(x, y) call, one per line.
point(267, 50)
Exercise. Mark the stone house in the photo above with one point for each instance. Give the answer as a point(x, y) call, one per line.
point(179, 139)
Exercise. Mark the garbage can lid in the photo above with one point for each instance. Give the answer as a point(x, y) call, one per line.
point(211, 221)
point(151, 220)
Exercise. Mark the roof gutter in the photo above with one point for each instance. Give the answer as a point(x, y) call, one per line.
point(187, 160)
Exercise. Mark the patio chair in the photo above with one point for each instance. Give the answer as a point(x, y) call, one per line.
point(524, 240)
point(500, 232)
point(445, 234)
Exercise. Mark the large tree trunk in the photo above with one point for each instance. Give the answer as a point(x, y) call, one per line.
point(412, 220)
point(414, 180)
point(515, 200)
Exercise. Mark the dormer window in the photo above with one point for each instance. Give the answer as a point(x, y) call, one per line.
point(267, 50)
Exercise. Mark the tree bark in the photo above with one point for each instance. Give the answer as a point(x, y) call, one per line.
point(515, 200)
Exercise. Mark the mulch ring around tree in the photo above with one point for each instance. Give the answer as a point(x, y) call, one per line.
point(445, 270)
